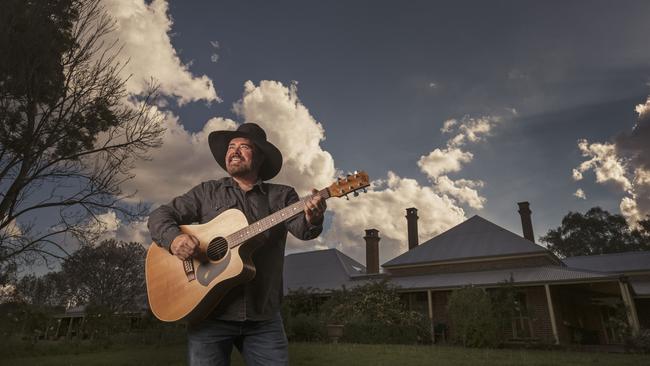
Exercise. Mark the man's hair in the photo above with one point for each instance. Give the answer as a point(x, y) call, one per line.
point(258, 158)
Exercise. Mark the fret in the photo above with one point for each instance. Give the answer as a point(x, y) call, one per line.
point(238, 237)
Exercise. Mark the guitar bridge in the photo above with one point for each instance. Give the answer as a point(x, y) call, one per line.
point(188, 266)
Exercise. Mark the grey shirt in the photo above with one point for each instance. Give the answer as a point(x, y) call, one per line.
point(260, 298)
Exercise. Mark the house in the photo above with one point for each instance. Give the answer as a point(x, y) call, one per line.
point(561, 301)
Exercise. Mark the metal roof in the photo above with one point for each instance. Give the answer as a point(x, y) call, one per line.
point(615, 262)
point(546, 274)
point(473, 238)
point(320, 270)
point(641, 288)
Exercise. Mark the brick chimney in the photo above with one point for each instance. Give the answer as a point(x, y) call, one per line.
point(412, 224)
point(526, 223)
point(372, 251)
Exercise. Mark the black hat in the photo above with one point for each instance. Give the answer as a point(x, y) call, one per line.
point(219, 141)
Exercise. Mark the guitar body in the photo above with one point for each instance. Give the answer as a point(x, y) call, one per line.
point(173, 296)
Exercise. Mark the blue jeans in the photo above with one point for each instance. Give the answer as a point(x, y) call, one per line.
point(260, 342)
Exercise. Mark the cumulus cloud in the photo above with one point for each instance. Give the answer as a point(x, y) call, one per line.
point(183, 161)
point(471, 129)
point(580, 194)
point(441, 161)
point(624, 162)
point(383, 208)
point(636, 144)
point(142, 29)
point(605, 163)
point(451, 159)
point(577, 175)
point(463, 190)
point(290, 126)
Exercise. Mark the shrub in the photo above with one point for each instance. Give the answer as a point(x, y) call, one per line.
point(306, 328)
point(367, 331)
point(373, 313)
point(473, 317)
point(639, 342)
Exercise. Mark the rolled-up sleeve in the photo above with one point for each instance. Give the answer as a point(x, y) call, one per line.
point(164, 221)
point(298, 226)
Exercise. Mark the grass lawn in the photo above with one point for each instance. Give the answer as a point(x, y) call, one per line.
point(345, 354)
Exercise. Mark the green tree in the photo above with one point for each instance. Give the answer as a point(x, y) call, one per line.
point(373, 313)
point(109, 276)
point(69, 133)
point(46, 291)
point(474, 319)
point(596, 232)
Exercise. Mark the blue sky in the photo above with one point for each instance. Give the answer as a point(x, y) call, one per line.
point(369, 85)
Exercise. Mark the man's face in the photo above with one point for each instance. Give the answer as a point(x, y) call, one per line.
point(240, 157)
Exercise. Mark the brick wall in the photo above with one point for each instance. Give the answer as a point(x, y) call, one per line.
point(539, 313)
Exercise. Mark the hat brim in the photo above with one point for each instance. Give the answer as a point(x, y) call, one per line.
point(272, 164)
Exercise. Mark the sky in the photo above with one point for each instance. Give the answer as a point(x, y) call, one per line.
point(457, 108)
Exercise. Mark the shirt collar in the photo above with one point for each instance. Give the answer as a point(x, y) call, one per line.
point(229, 182)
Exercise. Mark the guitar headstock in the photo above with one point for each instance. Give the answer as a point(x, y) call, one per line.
point(349, 184)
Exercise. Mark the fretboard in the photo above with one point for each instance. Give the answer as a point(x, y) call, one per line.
point(238, 237)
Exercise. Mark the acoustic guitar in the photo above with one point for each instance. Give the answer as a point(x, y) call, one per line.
point(188, 290)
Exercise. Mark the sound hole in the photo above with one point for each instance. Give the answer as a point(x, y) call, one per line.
point(217, 249)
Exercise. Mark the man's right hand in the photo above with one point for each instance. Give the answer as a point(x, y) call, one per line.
point(185, 246)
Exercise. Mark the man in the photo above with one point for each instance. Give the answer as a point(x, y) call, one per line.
point(249, 315)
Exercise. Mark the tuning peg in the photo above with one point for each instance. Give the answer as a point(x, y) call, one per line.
point(346, 197)
point(365, 191)
point(356, 194)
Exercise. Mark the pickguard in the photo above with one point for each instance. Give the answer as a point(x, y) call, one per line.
point(208, 271)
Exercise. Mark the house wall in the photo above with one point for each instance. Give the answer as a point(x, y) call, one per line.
point(540, 314)
point(536, 304)
point(536, 261)
point(643, 312)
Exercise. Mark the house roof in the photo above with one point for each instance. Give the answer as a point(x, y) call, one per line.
point(641, 288)
point(321, 270)
point(615, 262)
point(528, 275)
point(473, 238)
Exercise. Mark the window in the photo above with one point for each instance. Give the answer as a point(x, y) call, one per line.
point(521, 327)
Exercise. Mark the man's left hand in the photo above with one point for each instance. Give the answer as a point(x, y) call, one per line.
point(315, 208)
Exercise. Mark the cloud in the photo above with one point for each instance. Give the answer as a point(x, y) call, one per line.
point(448, 125)
point(580, 194)
point(577, 175)
point(605, 163)
point(185, 160)
point(450, 159)
point(636, 144)
point(143, 31)
point(624, 162)
point(290, 126)
point(383, 208)
point(471, 129)
point(441, 161)
point(462, 190)
point(12, 230)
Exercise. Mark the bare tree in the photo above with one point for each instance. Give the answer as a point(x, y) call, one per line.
point(70, 133)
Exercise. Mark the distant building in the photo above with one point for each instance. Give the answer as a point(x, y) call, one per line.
point(561, 301)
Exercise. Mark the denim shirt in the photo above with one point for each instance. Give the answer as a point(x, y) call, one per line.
point(259, 299)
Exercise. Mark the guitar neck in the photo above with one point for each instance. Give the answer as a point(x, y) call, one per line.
point(238, 237)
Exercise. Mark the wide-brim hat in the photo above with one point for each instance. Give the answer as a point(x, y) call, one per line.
point(219, 141)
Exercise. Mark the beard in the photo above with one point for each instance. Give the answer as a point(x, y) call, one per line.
point(239, 170)
point(242, 168)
